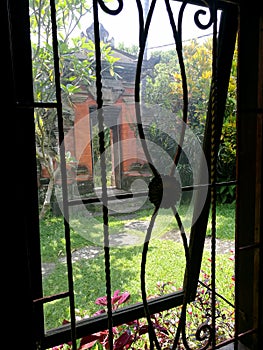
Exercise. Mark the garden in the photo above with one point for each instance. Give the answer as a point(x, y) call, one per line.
point(164, 274)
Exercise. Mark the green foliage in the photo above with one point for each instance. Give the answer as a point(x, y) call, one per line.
point(166, 85)
point(133, 50)
point(167, 143)
point(166, 88)
point(226, 193)
point(159, 87)
point(226, 164)
point(76, 73)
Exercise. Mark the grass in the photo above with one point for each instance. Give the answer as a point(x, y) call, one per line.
point(165, 259)
point(84, 228)
point(225, 228)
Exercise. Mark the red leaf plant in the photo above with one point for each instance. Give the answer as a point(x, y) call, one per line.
point(131, 335)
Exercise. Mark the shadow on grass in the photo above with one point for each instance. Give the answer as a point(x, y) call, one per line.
point(165, 262)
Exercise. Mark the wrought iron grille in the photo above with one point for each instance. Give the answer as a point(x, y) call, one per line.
point(163, 189)
point(160, 186)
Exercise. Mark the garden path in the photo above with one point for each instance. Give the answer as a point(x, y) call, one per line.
point(125, 239)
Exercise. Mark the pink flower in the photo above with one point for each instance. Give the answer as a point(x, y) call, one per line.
point(116, 300)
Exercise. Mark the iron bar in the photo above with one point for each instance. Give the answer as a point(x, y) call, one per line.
point(178, 45)
point(100, 118)
point(142, 42)
point(217, 294)
point(248, 247)
point(63, 174)
point(151, 331)
point(51, 298)
point(232, 339)
point(120, 316)
point(226, 45)
point(37, 105)
point(213, 170)
point(127, 195)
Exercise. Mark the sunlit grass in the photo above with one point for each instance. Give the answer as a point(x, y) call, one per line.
point(225, 221)
point(165, 259)
point(165, 263)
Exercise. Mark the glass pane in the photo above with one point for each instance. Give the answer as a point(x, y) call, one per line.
point(129, 142)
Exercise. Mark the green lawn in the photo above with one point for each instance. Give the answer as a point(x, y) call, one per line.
point(165, 259)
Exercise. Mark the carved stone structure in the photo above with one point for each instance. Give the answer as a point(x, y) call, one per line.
point(125, 159)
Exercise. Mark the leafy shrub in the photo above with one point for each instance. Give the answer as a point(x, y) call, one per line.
point(134, 335)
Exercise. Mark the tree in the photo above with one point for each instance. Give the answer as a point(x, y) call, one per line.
point(166, 89)
point(77, 72)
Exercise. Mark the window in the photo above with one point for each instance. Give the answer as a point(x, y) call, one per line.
point(196, 245)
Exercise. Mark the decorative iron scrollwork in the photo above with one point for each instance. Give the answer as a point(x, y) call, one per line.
point(164, 191)
point(110, 11)
point(204, 328)
point(198, 22)
point(161, 185)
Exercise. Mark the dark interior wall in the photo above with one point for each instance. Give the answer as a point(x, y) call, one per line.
point(249, 173)
point(20, 216)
